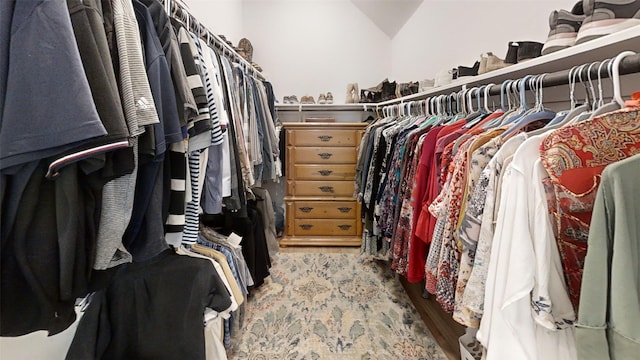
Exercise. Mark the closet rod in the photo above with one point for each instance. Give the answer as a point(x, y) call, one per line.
point(171, 6)
point(628, 65)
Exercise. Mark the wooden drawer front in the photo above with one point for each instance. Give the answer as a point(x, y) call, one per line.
point(324, 227)
point(320, 155)
point(325, 210)
point(324, 137)
point(324, 172)
point(321, 188)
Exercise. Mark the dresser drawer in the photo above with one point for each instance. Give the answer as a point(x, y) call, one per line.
point(320, 188)
point(323, 155)
point(324, 172)
point(322, 137)
point(323, 209)
point(325, 227)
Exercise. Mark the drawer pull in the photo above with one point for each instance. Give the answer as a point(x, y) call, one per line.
point(344, 210)
point(305, 226)
point(326, 189)
point(306, 209)
point(325, 156)
point(325, 172)
point(325, 138)
point(344, 227)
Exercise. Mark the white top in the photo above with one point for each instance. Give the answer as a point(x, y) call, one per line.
point(524, 260)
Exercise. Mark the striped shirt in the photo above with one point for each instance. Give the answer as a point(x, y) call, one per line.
point(200, 126)
point(207, 76)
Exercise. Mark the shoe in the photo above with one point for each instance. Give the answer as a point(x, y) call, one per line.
point(528, 50)
point(329, 98)
point(310, 100)
point(468, 71)
point(369, 96)
point(286, 100)
point(353, 96)
point(512, 53)
point(424, 85)
point(389, 90)
point(443, 77)
point(564, 27)
point(604, 17)
point(247, 49)
point(483, 64)
point(349, 97)
point(293, 99)
point(322, 99)
point(523, 50)
point(492, 63)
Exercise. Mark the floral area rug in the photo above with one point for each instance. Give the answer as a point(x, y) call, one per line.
point(332, 306)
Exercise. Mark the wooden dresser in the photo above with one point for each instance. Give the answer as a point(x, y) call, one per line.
point(320, 169)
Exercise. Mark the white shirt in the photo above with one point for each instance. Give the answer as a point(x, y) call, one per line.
point(523, 262)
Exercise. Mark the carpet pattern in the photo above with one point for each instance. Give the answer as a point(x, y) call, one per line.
point(332, 306)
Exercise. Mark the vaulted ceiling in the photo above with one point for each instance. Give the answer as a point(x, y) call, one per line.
point(388, 15)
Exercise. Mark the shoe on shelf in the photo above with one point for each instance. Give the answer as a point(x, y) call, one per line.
point(492, 63)
point(528, 50)
point(310, 100)
point(468, 71)
point(329, 98)
point(352, 94)
point(247, 49)
point(523, 50)
point(604, 17)
point(443, 77)
point(389, 90)
point(424, 85)
point(563, 32)
point(322, 99)
point(286, 100)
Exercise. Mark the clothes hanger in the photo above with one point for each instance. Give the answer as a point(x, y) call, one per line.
point(480, 114)
point(523, 109)
point(504, 105)
point(617, 102)
point(575, 111)
point(538, 112)
point(591, 96)
point(486, 98)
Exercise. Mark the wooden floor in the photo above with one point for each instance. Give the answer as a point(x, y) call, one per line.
point(444, 329)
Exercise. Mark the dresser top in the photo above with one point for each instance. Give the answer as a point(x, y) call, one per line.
point(328, 125)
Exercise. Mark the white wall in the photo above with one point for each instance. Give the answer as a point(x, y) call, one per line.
point(307, 47)
point(222, 17)
point(444, 34)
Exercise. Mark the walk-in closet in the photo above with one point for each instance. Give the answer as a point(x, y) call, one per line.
point(309, 179)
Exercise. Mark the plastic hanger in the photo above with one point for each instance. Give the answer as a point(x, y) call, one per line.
point(523, 109)
point(479, 115)
point(539, 113)
point(505, 104)
point(574, 110)
point(486, 98)
point(617, 102)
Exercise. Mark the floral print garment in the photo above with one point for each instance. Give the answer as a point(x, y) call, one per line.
point(449, 253)
point(470, 225)
point(473, 297)
point(574, 157)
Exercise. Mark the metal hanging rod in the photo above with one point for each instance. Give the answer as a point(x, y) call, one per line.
point(628, 65)
point(177, 10)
